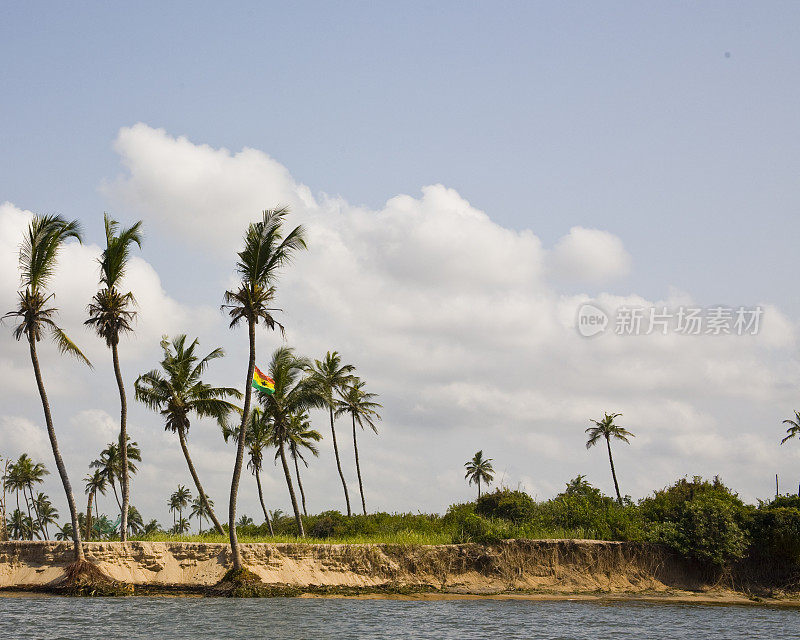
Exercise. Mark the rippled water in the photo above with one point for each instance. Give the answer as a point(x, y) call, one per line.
point(278, 618)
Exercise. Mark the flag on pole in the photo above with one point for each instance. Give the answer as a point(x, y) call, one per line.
point(263, 383)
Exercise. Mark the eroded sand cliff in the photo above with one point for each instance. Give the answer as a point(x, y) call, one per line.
point(558, 566)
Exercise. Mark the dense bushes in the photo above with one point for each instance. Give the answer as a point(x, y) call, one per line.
point(699, 519)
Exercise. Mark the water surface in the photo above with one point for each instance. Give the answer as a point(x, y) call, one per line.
point(142, 618)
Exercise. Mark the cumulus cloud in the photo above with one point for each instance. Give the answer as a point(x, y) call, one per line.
point(460, 324)
point(589, 256)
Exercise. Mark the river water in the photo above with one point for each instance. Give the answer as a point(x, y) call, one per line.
point(43, 617)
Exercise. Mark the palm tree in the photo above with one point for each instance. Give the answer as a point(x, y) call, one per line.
point(179, 500)
point(301, 436)
point(245, 521)
point(20, 525)
point(3, 511)
point(479, 469)
point(97, 481)
point(794, 427)
point(151, 527)
point(181, 526)
point(177, 392)
point(331, 377)
point(64, 532)
point(22, 475)
point(605, 428)
point(110, 464)
point(293, 395)
point(135, 522)
point(265, 251)
point(363, 410)
point(111, 315)
point(200, 511)
point(45, 512)
point(37, 260)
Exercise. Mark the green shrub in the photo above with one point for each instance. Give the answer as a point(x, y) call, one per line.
point(516, 506)
point(775, 532)
point(699, 519)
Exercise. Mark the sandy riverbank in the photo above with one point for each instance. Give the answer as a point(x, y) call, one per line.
point(532, 569)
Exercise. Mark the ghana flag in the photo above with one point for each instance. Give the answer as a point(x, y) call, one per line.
point(263, 383)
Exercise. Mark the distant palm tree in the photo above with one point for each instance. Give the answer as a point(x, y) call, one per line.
point(22, 475)
point(3, 503)
point(180, 499)
point(294, 394)
point(200, 511)
point(103, 528)
point(301, 437)
point(606, 429)
point(479, 469)
point(95, 482)
point(331, 377)
point(265, 251)
point(179, 392)
point(64, 532)
point(111, 314)
point(363, 410)
point(794, 427)
point(151, 527)
point(110, 464)
point(37, 261)
point(135, 522)
point(181, 526)
point(20, 525)
point(245, 521)
point(46, 513)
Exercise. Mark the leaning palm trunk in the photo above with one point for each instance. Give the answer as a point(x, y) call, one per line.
point(300, 485)
point(237, 467)
point(263, 506)
point(358, 468)
point(613, 473)
point(339, 464)
point(62, 470)
point(123, 444)
point(288, 475)
point(89, 516)
point(212, 515)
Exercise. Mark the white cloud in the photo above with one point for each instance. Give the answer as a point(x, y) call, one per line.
point(589, 256)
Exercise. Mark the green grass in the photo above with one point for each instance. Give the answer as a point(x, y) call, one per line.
point(400, 537)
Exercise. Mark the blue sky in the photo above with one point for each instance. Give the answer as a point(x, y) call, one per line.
point(671, 126)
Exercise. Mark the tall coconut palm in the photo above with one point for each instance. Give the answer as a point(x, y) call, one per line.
point(38, 254)
point(135, 521)
point(294, 394)
point(110, 463)
point(331, 377)
point(479, 469)
point(301, 437)
point(20, 525)
point(111, 314)
point(794, 427)
point(178, 392)
point(95, 482)
point(265, 251)
point(363, 411)
point(606, 429)
point(22, 475)
point(3, 510)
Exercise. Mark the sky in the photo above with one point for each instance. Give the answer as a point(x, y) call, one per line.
point(470, 174)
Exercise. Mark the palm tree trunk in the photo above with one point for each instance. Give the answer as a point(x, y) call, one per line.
point(263, 507)
point(339, 464)
point(288, 475)
point(300, 485)
point(62, 470)
point(613, 473)
point(89, 516)
point(237, 468)
point(123, 444)
point(116, 497)
point(182, 438)
point(358, 469)
point(479, 487)
point(28, 507)
point(42, 527)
